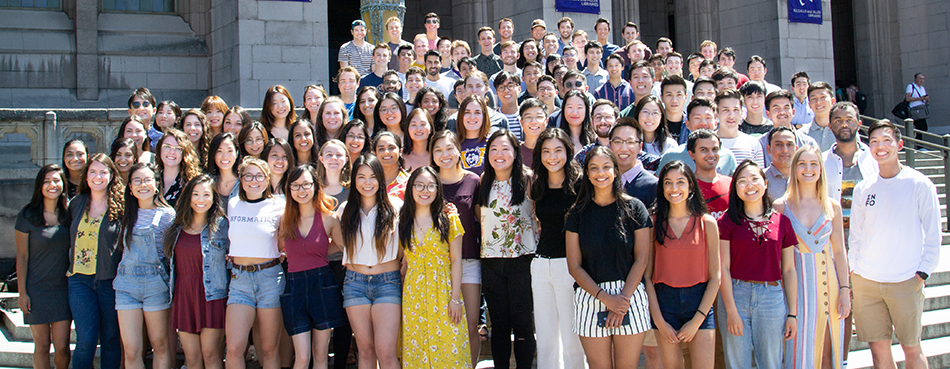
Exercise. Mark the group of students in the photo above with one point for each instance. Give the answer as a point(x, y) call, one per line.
point(393, 220)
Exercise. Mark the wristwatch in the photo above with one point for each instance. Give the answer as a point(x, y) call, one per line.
point(923, 275)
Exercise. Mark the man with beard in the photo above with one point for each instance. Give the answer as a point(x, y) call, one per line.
point(700, 114)
point(703, 147)
point(565, 28)
point(434, 77)
point(780, 148)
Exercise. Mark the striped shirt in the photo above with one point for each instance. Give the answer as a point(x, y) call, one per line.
point(621, 95)
point(360, 57)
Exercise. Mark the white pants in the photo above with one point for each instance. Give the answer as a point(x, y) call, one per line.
point(553, 290)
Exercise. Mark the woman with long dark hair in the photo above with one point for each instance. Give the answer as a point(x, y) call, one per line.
point(651, 116)
point(196, 245)
point(433, 316)
point(313, 97)
point(607, 238)
point(279, 156)
point(389, 114)
point(460, 187)
point(433, 101)
point(41, 234)
point(195, 125)
point(330, 119)
point(124, 154)
point(235, 119)
point(758, 268)
point(302, 140)
point(357, 139)
point(554, 190)
point(388, 149)
point(473, 129)
point(167, 113)
point(278, 112)
point(682, 277)
point(252, 139)
point(575, 119)
point(372, 288)
point(95, 218)
point(177, 163)
point(366, 101)
point(133, 127)
point(214, 109)
point(75, 154)
point(142, 281)
point(419, 129)
point(508, 244)
point(223, 160)
point(257, 280)
point(311, 303)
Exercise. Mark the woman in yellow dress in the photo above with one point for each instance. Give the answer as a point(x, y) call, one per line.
point(435, 334)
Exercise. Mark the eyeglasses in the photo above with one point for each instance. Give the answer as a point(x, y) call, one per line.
point(259, 140)
point(139, 104)
point(575, 84)
point(419, 187)
point(260, 177)
point(141, 181)
point(600, 117)
point(176, 149)
point(507, 87)
point(355, 137)
point(618, 142)
point(302, 186)
point(389, 110)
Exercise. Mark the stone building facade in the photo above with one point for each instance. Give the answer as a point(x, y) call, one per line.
point(84, 53)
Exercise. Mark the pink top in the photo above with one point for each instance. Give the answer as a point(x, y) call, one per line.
point(305, 253)
point(684, 261)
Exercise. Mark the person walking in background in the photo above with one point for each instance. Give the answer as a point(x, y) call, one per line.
point(916, 95)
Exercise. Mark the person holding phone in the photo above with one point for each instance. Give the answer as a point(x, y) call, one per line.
point(610, 300)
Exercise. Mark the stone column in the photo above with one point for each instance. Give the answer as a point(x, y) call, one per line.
point(878, 54)
point(87, 50)
point(623, 11)
point(804, 47)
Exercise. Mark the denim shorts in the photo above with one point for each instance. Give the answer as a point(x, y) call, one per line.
point(680, 304)
point(312, 300)
point(260, 289)
point(362, 289)
point(148, 292)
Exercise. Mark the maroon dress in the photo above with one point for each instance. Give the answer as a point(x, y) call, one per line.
point(190, 312)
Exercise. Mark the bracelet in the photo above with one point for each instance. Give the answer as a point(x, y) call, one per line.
point(457, 302)
point(792, 316)
point(701, 312)
point(598, 293)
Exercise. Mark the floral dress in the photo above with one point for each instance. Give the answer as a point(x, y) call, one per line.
point(507, 231)
point(429, 339)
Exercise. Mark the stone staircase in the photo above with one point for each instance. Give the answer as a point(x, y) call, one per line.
point(16, 347)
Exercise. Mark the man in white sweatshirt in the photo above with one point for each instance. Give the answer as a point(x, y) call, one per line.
point(895, 245)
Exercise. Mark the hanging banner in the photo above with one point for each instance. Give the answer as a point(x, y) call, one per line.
point(804, 11)
point(578, 6)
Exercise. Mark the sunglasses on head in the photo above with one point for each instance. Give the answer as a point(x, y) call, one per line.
point(139, 104)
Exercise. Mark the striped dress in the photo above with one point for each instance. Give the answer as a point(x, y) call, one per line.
point(817, 296)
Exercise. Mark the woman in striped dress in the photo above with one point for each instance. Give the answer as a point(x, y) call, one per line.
point(820, 263)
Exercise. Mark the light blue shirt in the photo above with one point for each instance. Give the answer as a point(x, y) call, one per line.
point(727, 161)
point(803, 113)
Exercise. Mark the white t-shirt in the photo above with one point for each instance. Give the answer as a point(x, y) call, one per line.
point(745, 147)
point(920, 92)
point(366, 240)
point(444, 84)
point(253, 227)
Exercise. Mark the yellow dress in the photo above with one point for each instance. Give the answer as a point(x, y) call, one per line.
point(429, 339)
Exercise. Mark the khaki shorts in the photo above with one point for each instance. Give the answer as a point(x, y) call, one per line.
point(882, 309)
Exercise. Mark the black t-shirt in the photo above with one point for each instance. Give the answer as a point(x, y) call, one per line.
point(606, 254)
point(551, 210)
point(752, 129)
point(675, 129)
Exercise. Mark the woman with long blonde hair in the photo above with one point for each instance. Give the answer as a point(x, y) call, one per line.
point(824, 299)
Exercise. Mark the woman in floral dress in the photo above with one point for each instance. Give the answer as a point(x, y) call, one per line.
point(435, 333)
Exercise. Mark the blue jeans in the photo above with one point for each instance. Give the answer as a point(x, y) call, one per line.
point(762, 309)
point(92, 304)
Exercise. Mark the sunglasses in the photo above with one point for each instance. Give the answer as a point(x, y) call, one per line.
point(432, 21)
point(575, 84)
point(139, 104)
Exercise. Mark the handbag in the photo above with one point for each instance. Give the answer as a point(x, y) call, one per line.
point(901, 110)
point(920, 112)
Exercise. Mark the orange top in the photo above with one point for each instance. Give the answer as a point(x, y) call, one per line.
point(682, 261)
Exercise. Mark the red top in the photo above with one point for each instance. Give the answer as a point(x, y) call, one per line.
point(716, 194)
point(305, 253)
point(683, 261)
point(755, 258)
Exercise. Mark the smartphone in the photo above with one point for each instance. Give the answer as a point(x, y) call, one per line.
point(602, 319)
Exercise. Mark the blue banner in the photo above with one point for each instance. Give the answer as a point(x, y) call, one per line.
point(578, 6)
point(804, 11)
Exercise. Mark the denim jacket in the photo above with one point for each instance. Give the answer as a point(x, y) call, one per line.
point(214, 247)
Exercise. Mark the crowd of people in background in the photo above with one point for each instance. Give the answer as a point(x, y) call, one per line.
point(602, 200)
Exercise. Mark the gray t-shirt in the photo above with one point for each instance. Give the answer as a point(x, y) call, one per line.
point(850, 177)
point(49, 256)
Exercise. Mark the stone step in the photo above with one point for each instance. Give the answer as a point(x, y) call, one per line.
point(19, 354)
point(937, 351)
